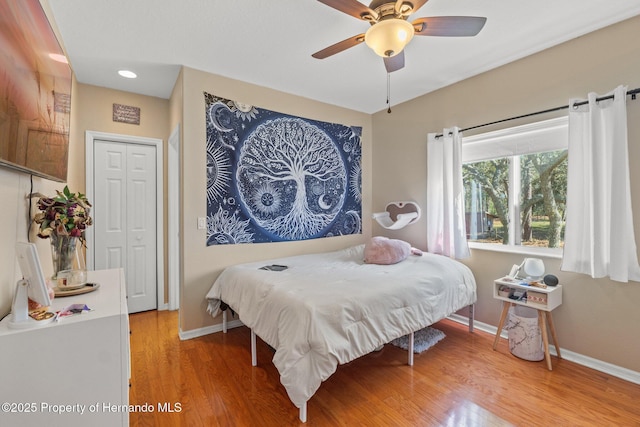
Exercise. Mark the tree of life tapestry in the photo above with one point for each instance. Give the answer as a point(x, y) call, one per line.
point(272, 177)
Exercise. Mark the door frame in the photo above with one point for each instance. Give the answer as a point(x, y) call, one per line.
point(90, 138)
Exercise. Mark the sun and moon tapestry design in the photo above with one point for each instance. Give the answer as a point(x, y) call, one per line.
point(272, 177)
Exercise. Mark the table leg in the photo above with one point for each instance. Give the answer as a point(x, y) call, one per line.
point(542, 323)
point(503, 316)
point(554, 337)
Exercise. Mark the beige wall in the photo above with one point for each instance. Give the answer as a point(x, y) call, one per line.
point(175, 120)
point(91, 109)
point(598, 318)
point(202, 264)
point(95, 113)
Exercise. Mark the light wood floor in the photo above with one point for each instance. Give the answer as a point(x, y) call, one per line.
point(459, 382)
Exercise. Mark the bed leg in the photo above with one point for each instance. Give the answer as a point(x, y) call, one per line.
point(254, 356)
point(224, 322)
point(472, 316)
point(303, 413)
point(410, 350)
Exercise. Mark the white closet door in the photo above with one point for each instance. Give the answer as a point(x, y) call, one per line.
point(125, 217)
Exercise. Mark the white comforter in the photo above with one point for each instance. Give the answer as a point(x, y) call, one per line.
point(330, 308)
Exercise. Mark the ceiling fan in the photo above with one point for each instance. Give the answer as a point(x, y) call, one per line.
point(390, 31)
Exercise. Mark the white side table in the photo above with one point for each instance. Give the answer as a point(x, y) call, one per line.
point(544, 300)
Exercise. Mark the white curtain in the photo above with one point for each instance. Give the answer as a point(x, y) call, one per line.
point(599, 235)
point(446, 231)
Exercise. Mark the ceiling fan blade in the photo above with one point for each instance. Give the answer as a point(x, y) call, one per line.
point(339, 47)
point(353, 8)
point(449, 26)
point(415, 5)
point(394, 63)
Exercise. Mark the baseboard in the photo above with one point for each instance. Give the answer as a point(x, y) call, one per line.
point(580, 359)
point(195, 333)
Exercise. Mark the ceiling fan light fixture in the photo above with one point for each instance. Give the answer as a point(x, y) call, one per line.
point(389, 37)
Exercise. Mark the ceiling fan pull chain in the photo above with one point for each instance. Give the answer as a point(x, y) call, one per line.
point(388, 93)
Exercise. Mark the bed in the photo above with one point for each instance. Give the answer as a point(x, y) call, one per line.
point(328, 309)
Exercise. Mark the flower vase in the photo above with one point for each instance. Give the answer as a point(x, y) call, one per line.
point(63, 252)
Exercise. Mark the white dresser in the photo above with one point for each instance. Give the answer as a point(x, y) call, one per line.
point(74, 372)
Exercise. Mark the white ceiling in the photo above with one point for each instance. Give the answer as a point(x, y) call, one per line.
point(270, 42)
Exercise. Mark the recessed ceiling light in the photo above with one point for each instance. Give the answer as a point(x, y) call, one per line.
point(58, 57)
point(128, 74)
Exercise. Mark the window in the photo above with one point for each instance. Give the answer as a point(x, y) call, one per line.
point(516, 184)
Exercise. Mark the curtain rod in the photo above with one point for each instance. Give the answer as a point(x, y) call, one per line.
point(632, 92)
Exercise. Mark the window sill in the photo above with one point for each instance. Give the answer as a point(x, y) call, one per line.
point(555, 253)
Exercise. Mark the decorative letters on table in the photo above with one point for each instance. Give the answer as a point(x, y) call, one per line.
point(274, 177)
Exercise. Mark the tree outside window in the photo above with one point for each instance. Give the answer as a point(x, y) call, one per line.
point(517, 200)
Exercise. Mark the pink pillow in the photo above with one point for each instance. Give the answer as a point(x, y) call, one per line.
point(381, 250)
